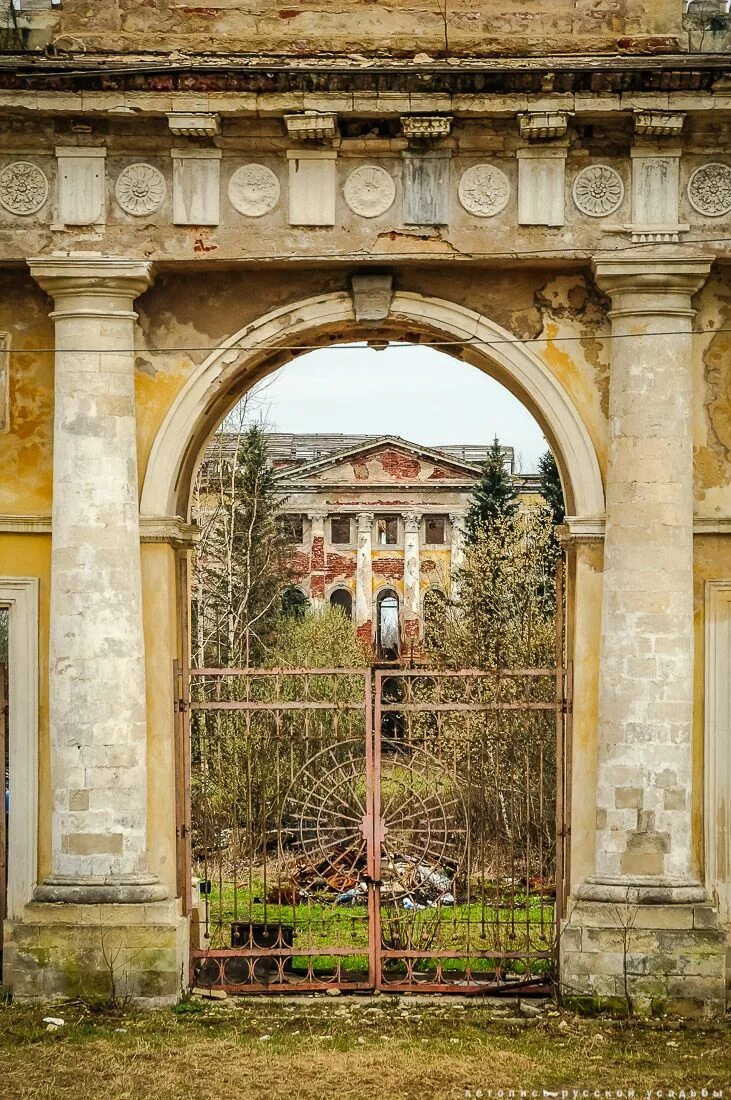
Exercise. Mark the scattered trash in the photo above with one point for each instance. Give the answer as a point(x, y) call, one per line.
point(264, 1038)
point(333, 991)
point(54, 1022)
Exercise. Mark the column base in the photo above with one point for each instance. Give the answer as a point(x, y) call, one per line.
point(104, 953)
point(108, 890)
point(642, 958)
point(642, 890)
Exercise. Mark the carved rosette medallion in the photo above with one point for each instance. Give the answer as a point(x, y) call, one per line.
point(140, 189)
point(709, 190)
point(484, 190)
point(369, 191)
point(598, 191)
point(23, 188)
point(253, 190)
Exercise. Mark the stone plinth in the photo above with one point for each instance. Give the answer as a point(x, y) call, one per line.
point(644, 959)
point(132, 952)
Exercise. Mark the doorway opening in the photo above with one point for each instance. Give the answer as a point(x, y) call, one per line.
point(396, 828)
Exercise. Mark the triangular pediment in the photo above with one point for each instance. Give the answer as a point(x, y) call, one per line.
point(387, 460)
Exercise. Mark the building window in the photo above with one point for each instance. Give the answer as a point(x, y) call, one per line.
point(342, 598)
point(435, 530)
point(388, 631)
point(340, 530)
point(387, 531)
point(293, 528)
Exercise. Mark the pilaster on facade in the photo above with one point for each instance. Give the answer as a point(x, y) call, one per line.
point(97, 666)
point(317, 558)
point(364, 577)
point(458, 521)
point(412, 576)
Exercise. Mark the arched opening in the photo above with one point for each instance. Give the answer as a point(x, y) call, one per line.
point(373, 751)
point(343, 599)
point(294, 602)
point(388, 629)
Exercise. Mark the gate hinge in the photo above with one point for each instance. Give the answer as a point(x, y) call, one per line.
point(181, 706)
point(182, 831)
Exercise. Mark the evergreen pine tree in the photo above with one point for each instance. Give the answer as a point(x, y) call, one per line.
point(241, 561)
point(494, 498)
point(551, 489)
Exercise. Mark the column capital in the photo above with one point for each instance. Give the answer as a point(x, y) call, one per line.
point(365, 520)
point(318, 515)
point(412, 522)
point(73, 280)
point(652, 281)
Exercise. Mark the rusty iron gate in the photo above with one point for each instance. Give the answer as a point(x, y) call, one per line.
point(393, 829)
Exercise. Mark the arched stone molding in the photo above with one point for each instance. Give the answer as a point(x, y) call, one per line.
point(261, 347)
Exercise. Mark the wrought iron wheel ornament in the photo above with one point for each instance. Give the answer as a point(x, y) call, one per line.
point(414, 815)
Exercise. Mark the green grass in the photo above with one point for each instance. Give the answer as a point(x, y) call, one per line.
point(478, 934)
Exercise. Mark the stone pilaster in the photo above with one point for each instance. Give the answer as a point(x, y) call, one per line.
point(644, 880)
point(412, 576)
point(317, 559)
point(456, 560)
point(364, 578)
point(97, 673)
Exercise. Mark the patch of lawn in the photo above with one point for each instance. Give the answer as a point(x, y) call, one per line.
point(369, 1048)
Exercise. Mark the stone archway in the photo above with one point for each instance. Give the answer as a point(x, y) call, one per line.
point(256, 350)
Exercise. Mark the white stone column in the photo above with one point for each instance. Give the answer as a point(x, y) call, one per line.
point(317, 559)
point(96, 663)
point(646, 658)
point(364, 578)
point(412, 577)
point(456, 558)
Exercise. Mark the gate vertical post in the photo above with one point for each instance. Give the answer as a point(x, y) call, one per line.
point(644, 879)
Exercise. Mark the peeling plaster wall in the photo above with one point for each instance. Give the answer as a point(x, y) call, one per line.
point(712, 386)
point(409, 27)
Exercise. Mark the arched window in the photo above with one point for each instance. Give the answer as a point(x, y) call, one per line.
point(295, 602)
point(389, 633)
point(342, 598)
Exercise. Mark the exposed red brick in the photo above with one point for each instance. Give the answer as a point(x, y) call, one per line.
point(439, 473)
point(411, 628)
point(318, 553)
point(399, 465)
point(389, 567)
point(365, 632)
point(299, 562)
point(338, 566)
point(360, 470)
point(317, 586)
point(428, 566)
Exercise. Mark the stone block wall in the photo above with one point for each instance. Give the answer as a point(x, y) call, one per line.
point(645, 959)
point(134, 952)
point(407, 28)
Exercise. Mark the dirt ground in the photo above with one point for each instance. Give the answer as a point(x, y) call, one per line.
point(348, 1048)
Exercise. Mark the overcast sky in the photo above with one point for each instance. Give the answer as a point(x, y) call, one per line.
point(423, 395)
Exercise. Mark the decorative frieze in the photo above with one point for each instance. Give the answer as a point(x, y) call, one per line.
point(81, 185)
point(541, 186)
point(598, 191)
point(196, 186)
point(709, 190)
point(312, 186)
point(140, 190)
point(369, 191)
point(655, 192)
point(254, 190)
point(484, 190)
point(23, 188)
point(426, 188)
